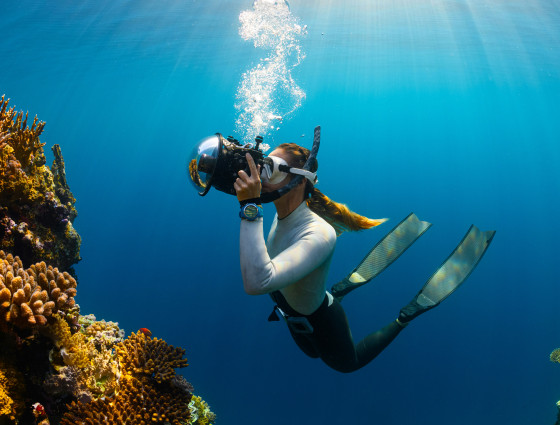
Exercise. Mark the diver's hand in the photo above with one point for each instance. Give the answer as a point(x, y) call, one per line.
point(248, 187)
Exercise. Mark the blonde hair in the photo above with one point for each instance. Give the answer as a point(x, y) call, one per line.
point(336, 214)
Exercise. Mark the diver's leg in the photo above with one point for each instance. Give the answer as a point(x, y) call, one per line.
point(383, 254)
point(333, 339)
point(451, 274)
point(305, 344)
point(373, 344)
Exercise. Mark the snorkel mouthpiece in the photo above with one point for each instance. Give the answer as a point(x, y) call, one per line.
point(216, 161)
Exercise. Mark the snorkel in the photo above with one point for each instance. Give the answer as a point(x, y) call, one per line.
point(215, 162)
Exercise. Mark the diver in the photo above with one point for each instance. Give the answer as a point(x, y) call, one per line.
point(292, 265)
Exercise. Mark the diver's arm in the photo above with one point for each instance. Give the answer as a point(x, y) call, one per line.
point(262, 275)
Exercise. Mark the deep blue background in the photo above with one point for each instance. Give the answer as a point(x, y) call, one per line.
point(445, 108)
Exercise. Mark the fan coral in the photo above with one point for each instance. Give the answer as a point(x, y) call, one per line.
point(36, 205)
point(29, 297)
point(143, 354)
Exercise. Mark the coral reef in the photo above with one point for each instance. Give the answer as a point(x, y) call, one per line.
point(56, 365)
point(36, 205)
point(29, 297)
point(146, 391)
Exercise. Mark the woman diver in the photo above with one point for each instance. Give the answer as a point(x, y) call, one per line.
point(293, 265)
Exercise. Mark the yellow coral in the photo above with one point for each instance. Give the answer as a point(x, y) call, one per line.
point(29, 297)
point(24, 139)
point(200, 412)
point(100, 376)
point(6, 402)
point(73, 347)
point(555, 356)
point(21, 155)
point(142, 354)
point(11, 390)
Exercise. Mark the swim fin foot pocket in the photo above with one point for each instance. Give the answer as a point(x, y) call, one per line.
point(450, 275)
point(382, 255)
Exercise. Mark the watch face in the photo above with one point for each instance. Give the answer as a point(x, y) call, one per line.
point(251, 211)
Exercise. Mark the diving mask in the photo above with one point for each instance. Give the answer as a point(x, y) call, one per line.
point(275, 170)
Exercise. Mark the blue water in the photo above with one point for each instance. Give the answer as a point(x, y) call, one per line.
point(445, 108)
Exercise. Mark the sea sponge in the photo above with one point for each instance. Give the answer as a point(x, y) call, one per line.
point(142, 354)
point(29, 297)
point(138, 400)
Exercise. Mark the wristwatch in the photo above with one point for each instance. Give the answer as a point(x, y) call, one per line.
point(251, 212)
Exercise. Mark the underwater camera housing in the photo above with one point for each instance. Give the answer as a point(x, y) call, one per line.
point(215, 161)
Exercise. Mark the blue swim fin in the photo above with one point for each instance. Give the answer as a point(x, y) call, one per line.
point(452, 273)
point(382, 255)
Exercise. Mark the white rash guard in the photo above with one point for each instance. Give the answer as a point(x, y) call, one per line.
point(295, 259)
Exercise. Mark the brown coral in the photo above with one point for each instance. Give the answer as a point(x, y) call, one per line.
point(29, 297)
point(142, 354)
point(138, 401)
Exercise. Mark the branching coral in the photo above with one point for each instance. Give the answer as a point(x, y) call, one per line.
point(29, 297)
point(36, 205)
point(141, 354)
point(24, 139)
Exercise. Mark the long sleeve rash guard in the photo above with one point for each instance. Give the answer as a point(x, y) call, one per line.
point(295, 259)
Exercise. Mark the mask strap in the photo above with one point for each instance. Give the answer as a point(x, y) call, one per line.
point(272, 196)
